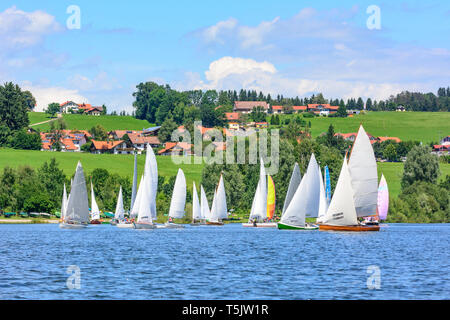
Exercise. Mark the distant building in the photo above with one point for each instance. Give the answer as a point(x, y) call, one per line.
point(277, 109)
point(352, 136)
point(233, 125)
point(323, 109)
point(70, 106)
point(115, 147)
point(400, 108)
point(71, 140)
point(232, 116)
point(441, 150)
point(177, 148)
point(382, 139)
point(247, 106)
point(445, 141)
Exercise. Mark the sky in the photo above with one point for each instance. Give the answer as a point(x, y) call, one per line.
point(293, 48)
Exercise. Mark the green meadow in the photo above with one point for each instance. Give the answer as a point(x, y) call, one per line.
point(85, 122)
point(123, 165)
point(421, 126)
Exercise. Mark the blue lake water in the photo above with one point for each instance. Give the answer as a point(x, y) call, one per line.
point(229, 262)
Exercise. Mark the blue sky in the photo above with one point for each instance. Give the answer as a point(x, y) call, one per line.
point(287, 47)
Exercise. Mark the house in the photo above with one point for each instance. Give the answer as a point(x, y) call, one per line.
point(118, 134)
point(233, 125)
point(139, 142)
point(232, 116)
point(247, 106)
point(322, 108)
point(115, 147)
point(382, 139)
point(352, 112)
point(177, 148)
point(70, 141)
point(70, 106)
point(277, 109)
point(441, 150)
point(400, 108)
point(152, 131)
point(352, 136)
point(299, 108)
point(445, 141)
point(261, 125)
point(94, 111)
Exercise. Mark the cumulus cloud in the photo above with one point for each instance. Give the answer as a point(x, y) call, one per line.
point(20, 29)
point(101, 82)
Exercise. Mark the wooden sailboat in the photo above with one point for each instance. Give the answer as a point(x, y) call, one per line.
point(178, 201)
point(219, 206)
point(144, 215)
point(76, 214)
point(305, 202)
point(95, 211)
point(196, 208)
point(261, 208)
point(356, 190)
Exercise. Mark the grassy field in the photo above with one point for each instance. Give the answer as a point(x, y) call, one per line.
point(123, 165)
point(84, 122)
point(421, 126)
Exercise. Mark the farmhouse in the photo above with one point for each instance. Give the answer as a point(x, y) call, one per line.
point(445, 141)
point(247, 106)
point(86, 108)
point(115, 147)
point(177, 148)
point(70, 141)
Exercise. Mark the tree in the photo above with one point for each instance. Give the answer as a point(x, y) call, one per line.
point(104, 110)
point(53, 108)
point(331, 139)
point(98, 132)
point(13, 107)
point(167, 127)
point(342, 111)
point(30, 100)
point(52, 178)
point(25, 141)
point(420, 165)
point(390, 152)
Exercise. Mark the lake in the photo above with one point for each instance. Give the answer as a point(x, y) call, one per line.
point(402, 261)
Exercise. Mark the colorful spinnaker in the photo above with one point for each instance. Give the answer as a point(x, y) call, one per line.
point(383, 198)
point(270, 198)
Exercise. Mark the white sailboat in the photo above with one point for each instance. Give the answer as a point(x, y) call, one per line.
point(323, 203)
point(95, 211)
point(356, 191)
point(219, 206)
point(196, 208)
point(178, 201)
point(258, 212)
point(204, 206)
point(294, 182)
point(63, 204)
point(77, 211)
point(305, 202)
point(119, 215)
point(144, 215)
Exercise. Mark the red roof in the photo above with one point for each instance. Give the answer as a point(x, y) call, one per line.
point(249, 105)
point(170, 145)
point(297, 108)
point(232, 115)
point(137, 139)
point(382, 139)
point(277, 107)
point(105, 145)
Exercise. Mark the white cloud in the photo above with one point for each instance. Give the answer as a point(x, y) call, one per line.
point(101, 82)
point(213, 33)
point(23, 29)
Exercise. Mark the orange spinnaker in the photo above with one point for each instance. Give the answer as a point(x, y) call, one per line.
point(270, 198)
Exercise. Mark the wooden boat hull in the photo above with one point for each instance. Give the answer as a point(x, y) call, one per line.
point(95, 222)
point(143, 225)
point(285, 226)
point(260, 225)
point(214, 223)
point(64, 225)
point(357, 228)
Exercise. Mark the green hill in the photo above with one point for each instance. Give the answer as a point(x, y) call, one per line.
point(85, 122)
point(421, 126)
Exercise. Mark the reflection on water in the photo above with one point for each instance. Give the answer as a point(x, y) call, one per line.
point(228, 262)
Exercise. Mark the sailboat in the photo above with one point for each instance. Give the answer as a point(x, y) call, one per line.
point(323, 202)
point(204, 206)
point(260, 206)
point(196, 208)
point(95, 211)
point(178, 201)
point(63, 204)
point(144, 215)
point(120, 213)
point(356, 191)
point(219, 206)
point(383, 199)
point(327, 184)
point(76, 214)
point(294, 182)
point(305, 202)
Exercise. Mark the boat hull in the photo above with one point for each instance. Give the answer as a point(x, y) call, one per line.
point(171, 225)
point(285, 226)
point(64, 225)
point(260, 225)
point(95, 222)
point(125, 225)
point(143, 225)
point(357, 228)
point(214, 223)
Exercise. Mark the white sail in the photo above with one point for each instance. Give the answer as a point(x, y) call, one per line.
point(259, 205)
point(323, 203)
point(212, 214)
point(362, 167)
point(135, 209)
point(78, 205)
point(134, 188)
point(144, 212)
point(296, 177)
point(178, 200)
point(204, 204)
point(120, 214)
point(154, 179)
point(256, 199)
point(64, 203)
point(95, 211)
point(221, 211)
point(196, 208)
point(305, 202)
point(341, 211)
